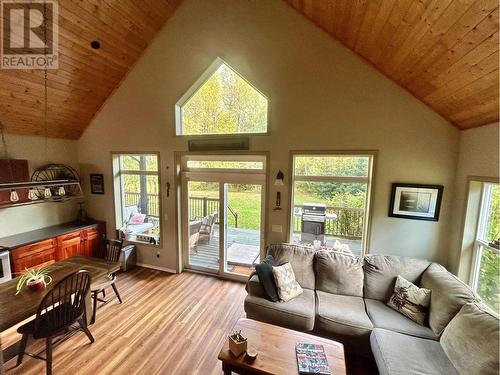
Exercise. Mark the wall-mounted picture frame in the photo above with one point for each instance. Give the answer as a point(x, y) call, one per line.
point(96, 183)
point(416, 201)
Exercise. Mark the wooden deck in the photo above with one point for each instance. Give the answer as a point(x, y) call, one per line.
point(354, 245)
point(207, 254)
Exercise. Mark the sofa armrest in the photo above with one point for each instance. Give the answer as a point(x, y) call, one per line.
point(254, 288)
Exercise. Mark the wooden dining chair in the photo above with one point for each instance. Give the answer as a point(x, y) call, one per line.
point(111, 253)
point(60, 309)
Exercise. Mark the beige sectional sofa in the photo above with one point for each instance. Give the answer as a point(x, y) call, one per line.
point(345, 299)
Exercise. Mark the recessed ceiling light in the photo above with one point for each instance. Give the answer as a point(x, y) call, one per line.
point(95, 44)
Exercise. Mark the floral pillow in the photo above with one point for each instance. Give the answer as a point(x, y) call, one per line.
point(137, 218)
point(410, 300)
point(286, 285)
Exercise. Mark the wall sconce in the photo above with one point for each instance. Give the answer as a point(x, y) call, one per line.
point(279, 179)
point(278, 182)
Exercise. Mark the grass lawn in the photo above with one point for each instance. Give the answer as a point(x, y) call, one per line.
point(247, 204)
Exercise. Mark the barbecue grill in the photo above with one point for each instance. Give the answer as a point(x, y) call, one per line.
point(313, 222)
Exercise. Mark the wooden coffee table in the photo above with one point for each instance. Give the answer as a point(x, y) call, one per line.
point(276, 350)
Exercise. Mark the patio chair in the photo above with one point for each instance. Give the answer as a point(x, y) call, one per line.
point(207, 225)
point(194, 234)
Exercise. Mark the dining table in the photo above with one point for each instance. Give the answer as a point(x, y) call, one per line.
point(15, 308)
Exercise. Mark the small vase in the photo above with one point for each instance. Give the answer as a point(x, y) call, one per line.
point(35, 285)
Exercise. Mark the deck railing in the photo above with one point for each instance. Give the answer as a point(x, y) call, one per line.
point(132, 199)
point(349, 222)
point(202, 206)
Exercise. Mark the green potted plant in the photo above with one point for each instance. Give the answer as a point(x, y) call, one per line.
point(34, 279)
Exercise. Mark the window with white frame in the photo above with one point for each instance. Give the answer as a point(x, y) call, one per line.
point(330, 201)
point(137, 196)
point(221, 101)
point(486, 269)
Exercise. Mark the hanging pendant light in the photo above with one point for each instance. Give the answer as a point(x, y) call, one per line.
point(14, 197)
point(32, 194)
point(61, 192)
point(47, 193)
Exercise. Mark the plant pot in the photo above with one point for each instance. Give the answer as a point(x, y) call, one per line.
point(237, 348)
point(36, 284)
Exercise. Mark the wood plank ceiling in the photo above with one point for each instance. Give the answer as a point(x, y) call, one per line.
point(445, 52)
point(86, 77)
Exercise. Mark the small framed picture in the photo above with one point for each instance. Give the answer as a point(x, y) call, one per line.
point(96, 183)
point(416, 201)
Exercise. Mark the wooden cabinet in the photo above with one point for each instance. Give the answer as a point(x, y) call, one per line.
point(69, 245)
point(84, 242)
point(91, 242)
point(34, 255)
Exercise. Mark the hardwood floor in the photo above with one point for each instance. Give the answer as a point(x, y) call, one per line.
point(167, 324)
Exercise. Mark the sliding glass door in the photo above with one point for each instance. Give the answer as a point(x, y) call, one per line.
point(243, 227)
point(203, 227)
point(223, 200)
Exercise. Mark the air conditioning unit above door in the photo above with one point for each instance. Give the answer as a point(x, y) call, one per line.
point(219, 144)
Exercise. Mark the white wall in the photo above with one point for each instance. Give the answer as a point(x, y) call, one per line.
point(478, 157)
point(322, 96)
point(15, 220)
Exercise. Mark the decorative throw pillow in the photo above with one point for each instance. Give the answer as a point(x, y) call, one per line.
point(410, 300)
point(137, 218)
point(266, 278)
point(286, 284)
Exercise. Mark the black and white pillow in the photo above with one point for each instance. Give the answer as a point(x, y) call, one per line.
point(410, 300)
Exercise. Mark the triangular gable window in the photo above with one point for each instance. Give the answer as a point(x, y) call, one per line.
point(221, 102)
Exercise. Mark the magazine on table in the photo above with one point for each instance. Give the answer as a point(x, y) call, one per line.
point(311, 359)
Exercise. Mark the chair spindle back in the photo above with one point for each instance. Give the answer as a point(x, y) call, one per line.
point(112, 250)
point(64, 303)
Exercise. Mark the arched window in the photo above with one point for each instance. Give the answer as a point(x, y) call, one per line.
point(221, 102)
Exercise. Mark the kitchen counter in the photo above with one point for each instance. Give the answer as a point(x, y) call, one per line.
point(26, 238)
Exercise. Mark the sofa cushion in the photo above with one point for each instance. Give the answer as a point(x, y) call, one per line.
point(343, 318)
point(381, 272)
point(471, 340)
point(400, 354)
point(265, 272)
point(300, 257)
point(448, 296)
point(254, 287)
point(297, 313)
point(382, 316)
point(339, 273)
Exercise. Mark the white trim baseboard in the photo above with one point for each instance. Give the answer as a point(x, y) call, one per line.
point(164, 269)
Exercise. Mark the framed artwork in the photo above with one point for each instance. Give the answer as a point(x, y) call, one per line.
point(416, 201)
point(96, 183)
